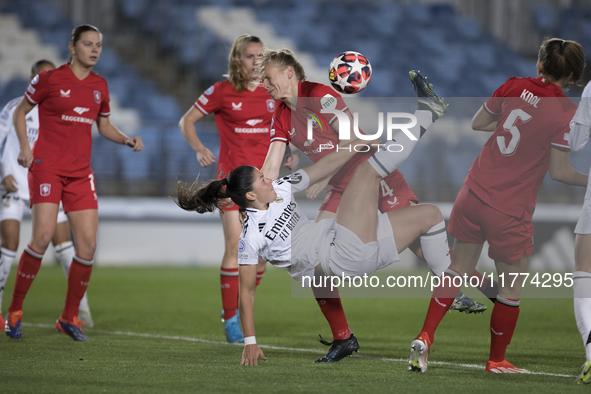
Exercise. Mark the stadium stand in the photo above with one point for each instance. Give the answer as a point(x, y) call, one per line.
point(452, 49)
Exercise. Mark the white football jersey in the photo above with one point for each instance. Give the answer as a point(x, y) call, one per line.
point(579, 136)
point(282, 234)
point(11, 148)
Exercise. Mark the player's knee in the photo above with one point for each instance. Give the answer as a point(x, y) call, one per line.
point(9, 242)
point(86, 249)
point(367, 170)
point(40, 241)
point(431, 215)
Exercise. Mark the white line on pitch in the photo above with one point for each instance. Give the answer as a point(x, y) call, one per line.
point(293, 349)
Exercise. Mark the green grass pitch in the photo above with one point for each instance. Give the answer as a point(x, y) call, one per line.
point(178, 307)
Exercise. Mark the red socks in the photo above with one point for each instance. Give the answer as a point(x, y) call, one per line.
point(442, 298)
point(332, 308)
point(230, 283)
point(28, 267)
point(78, 278)
point(502, 326)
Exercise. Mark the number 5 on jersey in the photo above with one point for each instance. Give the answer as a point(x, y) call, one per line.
point(509, 125)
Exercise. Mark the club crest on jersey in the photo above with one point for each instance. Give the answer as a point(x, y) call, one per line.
point(279, 200)
point(45, 189)
point(271, 105)
point(241, 245)
point(97, 97)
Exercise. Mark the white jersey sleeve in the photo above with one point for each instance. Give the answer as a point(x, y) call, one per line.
point(293, 183)
point(250, 244)
point(6, 126)
point(581, 123)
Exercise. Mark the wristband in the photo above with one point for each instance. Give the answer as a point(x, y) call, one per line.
point(250, 340)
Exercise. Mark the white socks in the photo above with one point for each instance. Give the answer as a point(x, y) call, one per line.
point(6, 260)
point(582, 289)
point(64, 252)
point(436, 249)
point(396, 151)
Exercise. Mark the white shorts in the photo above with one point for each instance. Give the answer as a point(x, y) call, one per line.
point(347, 255)
point(584, 223)
point(14, 208)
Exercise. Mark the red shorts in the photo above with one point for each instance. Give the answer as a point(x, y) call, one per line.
point(394, 194)
point(473, 221)
point(76, 194)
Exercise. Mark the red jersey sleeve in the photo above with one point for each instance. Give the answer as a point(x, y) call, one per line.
point(211, 100)
point(328, 99)
point(493, 104)
point(38, 89)
point(278, 130)
point(105, 109)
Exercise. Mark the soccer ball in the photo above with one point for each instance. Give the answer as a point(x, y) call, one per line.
point(349, 72)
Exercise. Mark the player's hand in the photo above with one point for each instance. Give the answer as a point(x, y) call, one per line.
point(251, 354)
point(205, 157)
point(25, 157)
point(292, 161)
point(9, 184)
point(135, 143)
point(314, 189)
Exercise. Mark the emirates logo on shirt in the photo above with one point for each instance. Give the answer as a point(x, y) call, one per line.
point(45, 189)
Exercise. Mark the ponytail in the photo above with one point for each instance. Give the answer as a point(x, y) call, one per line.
point(562, 60)
point(215, 194)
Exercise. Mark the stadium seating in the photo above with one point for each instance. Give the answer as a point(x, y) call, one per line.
point(453, 50)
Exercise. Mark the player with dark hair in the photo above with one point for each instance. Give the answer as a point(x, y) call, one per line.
point(357, 241)
point(243, 113)
point(285, 79)
point(529, 118)
point(69, 99)
point(15, 197)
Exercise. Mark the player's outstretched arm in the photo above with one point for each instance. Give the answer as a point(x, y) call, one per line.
point(484, 121)
point(561, 170)
point(272, 163)
point(112, 133)
point(25, 156)
point(248, 277)
point(205, 157)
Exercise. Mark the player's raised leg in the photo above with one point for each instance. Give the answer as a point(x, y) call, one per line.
point(44, 217)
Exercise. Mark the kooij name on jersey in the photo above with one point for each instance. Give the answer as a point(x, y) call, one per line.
point(284, 224)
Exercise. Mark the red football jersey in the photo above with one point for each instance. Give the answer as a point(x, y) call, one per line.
point(534, 117)
point(243, 121)
point(292, 126)
point(67, 109)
